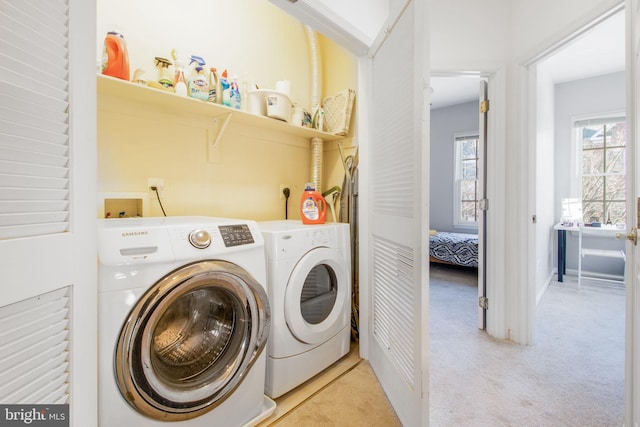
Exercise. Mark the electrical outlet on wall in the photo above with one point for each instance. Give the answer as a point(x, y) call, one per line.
point(158, 183)
point(282, 187)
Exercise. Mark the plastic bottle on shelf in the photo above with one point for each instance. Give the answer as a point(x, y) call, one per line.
point(115, 58)
point(215, 88)
point(245, 87)
point(235, 96)
point(226, 89)
point(313, 207)
point(164, 74)
point(198, 83)
point(179, 82)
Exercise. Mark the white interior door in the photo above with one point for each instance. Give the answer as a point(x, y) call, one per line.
point(397, 234)
point(632, 275)
point(482, 211)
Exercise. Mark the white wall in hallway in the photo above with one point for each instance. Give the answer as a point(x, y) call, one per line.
point(536, 25)
point(469, 33)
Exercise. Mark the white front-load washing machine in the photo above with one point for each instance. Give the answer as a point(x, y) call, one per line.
point(183, 319)
point(309, 289)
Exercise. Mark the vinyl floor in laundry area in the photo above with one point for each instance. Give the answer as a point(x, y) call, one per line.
point(345, 394)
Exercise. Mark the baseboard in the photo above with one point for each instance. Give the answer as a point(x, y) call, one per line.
point(592, 275)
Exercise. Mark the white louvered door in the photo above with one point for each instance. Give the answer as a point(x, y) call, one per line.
point(34, 149)
point(34, 349)
point(48, 205)
point(397, 236)
point(34, 197)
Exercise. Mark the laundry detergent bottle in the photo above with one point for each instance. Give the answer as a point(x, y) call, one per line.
point(313, 207)
point(115, 58)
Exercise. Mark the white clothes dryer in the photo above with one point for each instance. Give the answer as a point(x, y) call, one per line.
point(309, 288)
point(183, 319)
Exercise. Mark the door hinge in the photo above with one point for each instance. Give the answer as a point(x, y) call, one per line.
point(483, 204)
point(483, 302)
point(484, 106)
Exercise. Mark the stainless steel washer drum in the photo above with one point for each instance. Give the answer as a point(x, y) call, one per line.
point(190, 339)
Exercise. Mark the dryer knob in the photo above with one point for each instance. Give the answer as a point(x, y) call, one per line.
point(200, 239)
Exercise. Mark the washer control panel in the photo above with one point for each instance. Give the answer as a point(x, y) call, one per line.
point(236, 235)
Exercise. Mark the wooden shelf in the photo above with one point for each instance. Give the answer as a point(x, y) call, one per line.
point(170, 102)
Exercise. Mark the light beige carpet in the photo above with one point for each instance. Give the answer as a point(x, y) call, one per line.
point(355, 399)
point(573, 375)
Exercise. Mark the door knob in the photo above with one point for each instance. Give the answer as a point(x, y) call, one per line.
point(633, 236)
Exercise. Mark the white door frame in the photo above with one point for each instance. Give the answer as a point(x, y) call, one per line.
point(524, 76)
point(496, 272)
point(632, 276)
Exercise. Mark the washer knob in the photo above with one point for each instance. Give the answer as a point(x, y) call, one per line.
point(200, 238)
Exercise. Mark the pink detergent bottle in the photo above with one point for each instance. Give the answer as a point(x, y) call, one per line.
point(313, 207)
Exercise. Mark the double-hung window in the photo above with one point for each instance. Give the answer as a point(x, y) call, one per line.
point(466, 189)
point(601, 156)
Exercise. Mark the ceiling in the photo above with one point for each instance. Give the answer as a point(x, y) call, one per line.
point(598, 51)
point(448, 91)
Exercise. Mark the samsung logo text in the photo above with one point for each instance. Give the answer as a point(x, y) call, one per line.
point(134, 233)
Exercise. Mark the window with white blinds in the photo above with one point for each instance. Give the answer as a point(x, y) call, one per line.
point(34, 121)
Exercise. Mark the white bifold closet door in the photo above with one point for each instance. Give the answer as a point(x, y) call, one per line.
point(34, 201)
point(48, 318)
point(397, 232)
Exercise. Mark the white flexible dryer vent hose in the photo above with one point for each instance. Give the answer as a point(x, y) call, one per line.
point(317, 145)
point(316, 68)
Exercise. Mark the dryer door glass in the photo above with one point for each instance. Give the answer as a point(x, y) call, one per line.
point(318, 294)
point(317, 299)
point(190, 340)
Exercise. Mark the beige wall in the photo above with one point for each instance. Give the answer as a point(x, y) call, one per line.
point(137, 141)
point(339, 72)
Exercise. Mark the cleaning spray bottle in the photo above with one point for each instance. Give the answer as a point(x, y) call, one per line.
point(313, 207)
point(215, 88)
point(226, 89)
point(179, 81)
point(198, 84)
point(235, 96)
point(164, 74)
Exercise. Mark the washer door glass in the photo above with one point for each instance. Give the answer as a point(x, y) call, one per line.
point(190, 339)
point(318, 297)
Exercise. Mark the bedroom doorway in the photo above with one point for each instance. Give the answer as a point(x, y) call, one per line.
point(458, 185)
point(572, 87)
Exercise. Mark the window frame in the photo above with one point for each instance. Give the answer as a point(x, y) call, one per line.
point(457, 179)
point(577, 150)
